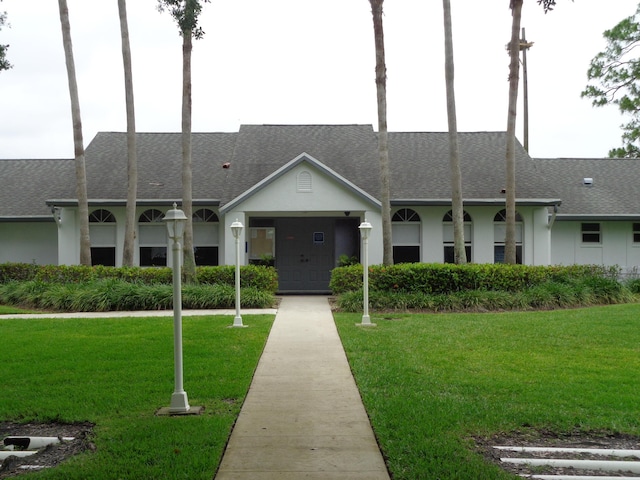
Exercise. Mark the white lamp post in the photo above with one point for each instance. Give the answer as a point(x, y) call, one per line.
point(236, 229)
point(365, 229)
point(176, 220)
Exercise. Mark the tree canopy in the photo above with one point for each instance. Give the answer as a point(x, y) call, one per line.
point(615, 77)
point(4, 63)
point(185, 13)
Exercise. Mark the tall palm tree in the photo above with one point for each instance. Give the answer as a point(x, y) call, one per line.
point(78, 144)
point(510, 161)
point(132, 161)
point(383, 144)
point(459, 253)
point(185, 13)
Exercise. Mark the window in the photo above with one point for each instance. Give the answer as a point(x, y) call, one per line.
point(636, 233)
point(590, 233)
point(447, 236)
point(102, 231)
point(406, 236)
point(152, 239)
point(499, 234)
point(205, 237)
point(262, 241)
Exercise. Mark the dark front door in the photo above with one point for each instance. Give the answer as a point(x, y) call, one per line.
point(304, 253)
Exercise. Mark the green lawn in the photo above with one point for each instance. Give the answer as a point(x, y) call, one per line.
point(432, 382)
point(6, 310)
point(429, 382)
point(116, 373)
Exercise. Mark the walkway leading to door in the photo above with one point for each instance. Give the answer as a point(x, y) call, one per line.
point(303, 417)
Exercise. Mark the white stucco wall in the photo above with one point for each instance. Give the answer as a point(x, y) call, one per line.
point(68, 235)
point(536, 235)
point(25, 242)
point(616, 246)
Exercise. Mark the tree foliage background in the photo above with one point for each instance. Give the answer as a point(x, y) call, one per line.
point(4, 63)
point(614, 77)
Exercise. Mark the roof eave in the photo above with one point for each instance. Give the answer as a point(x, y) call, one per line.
point(27, 219)
point(525, 202)
point(621, 217)
point(143, 202)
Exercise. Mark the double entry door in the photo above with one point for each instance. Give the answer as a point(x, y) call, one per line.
point(305, 253)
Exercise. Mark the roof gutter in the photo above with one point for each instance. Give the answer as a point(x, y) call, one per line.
point(498, 202)
point(142, 202)
point(26, 219)
point(599, 217)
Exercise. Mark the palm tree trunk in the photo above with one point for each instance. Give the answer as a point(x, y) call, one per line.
point(460, 255)
point(189, 266)
point(78, 144)
point(132, 163)
point(383, 145)
point(510, 186)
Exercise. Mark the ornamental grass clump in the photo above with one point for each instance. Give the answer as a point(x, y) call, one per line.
point(118, 295)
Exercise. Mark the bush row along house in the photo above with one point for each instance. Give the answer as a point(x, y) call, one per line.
point(301, 191)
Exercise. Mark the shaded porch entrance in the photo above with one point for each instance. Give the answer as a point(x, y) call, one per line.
point(308, 248)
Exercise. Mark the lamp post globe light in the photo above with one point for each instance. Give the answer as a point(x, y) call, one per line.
point(236, 229)
point(175, 220)
point(365, 229)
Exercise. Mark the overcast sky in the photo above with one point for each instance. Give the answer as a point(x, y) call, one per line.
point(304, 62)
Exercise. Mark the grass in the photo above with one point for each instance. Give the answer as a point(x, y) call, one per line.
point(432, 382)
point(116, 373)
point(8, 310)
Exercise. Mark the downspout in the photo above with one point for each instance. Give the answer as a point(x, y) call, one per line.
point(553, 217)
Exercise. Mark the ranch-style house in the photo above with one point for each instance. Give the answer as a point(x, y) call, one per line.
point(301, 191)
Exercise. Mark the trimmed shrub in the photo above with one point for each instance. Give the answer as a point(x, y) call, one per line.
point(448, 278)
point(257, 276)
point(113, 295)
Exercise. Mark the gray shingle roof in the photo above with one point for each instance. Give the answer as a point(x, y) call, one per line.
point(615, 189)
point(419, 165)
point(26, 184)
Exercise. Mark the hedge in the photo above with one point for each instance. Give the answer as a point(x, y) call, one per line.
point(256, 276)
point(429, 278)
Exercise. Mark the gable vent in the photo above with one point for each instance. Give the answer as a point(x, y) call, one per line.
point(587, 181)
point(304, 182)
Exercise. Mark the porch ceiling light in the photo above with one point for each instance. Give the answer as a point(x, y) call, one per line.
point(175, 219)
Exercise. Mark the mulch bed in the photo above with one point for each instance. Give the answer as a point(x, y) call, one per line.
point(49, 456)
point(544, 438)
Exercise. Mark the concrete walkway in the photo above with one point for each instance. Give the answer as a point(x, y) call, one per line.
point(303, 417)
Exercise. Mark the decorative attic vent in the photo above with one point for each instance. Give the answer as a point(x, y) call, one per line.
point(587, 181)
point(304, 182)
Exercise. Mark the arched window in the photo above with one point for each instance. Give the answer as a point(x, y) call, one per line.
point(447, 236)
point(205, 236)
point(152, 238)
point(102, 231)
point(499, 234)
point(101, 216)
point(405, 228)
